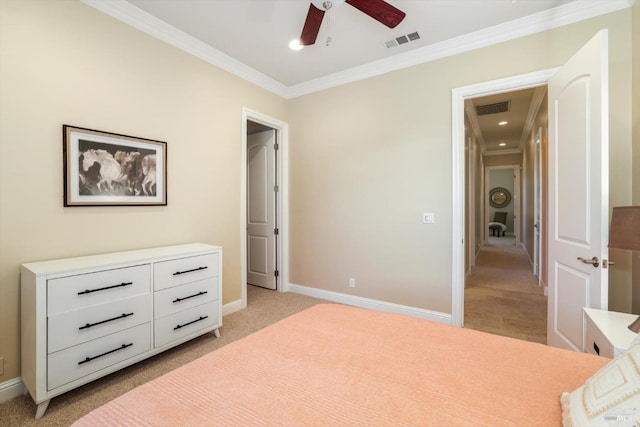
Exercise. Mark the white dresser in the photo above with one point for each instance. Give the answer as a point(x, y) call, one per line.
point(85, 317)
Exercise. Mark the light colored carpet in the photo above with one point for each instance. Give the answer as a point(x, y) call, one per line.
point(502, 295)
point(264, 307)
point(504, 267)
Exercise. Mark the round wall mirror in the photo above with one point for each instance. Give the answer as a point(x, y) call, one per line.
point(499, 197)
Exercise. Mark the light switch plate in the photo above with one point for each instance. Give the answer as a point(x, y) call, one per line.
point(428, 218)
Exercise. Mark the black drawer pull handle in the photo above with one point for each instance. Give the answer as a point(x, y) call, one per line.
point(89, 359)
point(88, 325)
point(190, 296)
point(88, 291)
point(596, 348)
point(193, 321)
point(177, 273)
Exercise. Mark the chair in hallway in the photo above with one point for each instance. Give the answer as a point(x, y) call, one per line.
point(498, 224)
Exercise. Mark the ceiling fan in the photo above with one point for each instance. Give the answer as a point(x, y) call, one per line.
point(379, 10)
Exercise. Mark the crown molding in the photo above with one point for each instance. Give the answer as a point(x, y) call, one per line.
point(502, 152)
point(534, 107)
point(126, 12)
point(569, 13)
point(473, 122)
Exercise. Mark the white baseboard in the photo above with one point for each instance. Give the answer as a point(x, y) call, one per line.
point(10, 389)
point(371, 303)
point(231, 307)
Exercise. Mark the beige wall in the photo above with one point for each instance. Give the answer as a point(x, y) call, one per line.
point(62, 62)
point(367, 158)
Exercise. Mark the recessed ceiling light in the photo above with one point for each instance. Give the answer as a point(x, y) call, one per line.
point(502, 144)
point(295, 45)
point(502, 123)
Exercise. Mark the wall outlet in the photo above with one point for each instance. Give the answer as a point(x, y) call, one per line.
point(352, 282)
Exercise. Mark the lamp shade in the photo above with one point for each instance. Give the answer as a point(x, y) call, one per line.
point(625, 228)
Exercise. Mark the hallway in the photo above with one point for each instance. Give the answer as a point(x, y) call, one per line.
point(502, 295)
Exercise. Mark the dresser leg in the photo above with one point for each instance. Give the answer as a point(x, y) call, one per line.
point(216, 332)
point(42, 407)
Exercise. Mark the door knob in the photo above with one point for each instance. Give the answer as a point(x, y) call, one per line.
point(593, 261)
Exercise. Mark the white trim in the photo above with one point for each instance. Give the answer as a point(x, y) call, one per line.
point(139, 19)
point(534, 107)
point(566, 14)
point(471, 195)
point(10, 389)
point(502, 152)
point(458, 96)
point(232, 307)
point(371, 304)
point(542, 21)
point(282, 223)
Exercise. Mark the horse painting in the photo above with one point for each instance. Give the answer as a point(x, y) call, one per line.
point(149, 172)
point(131, 171)
point(110, 169)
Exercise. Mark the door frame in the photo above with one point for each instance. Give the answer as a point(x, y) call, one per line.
point(458, 96)
point(538, 206)
point(471, 179)
point(282, 179)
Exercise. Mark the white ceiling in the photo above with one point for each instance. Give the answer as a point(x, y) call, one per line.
point(250, 37)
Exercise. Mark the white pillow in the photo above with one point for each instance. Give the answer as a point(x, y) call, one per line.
point(611, 397)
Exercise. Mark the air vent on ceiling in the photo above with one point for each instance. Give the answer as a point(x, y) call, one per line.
point(402, 39)
point(498, 107)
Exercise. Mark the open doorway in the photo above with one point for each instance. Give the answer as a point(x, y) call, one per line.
point(262, 206)
point(264, 203)
point(502, 292)
point(564, 247)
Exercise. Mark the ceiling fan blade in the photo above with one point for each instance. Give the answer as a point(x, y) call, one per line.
point(379, 10)
point(311, 25)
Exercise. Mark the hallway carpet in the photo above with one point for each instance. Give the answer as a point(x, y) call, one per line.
point(504, 267)
point(502, 295)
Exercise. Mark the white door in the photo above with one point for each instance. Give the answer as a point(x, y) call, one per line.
point(261, 209)
point(578, 192)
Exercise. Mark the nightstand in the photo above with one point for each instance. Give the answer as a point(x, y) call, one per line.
point(606, 332)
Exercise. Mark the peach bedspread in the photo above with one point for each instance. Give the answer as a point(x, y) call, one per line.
point(334, 365)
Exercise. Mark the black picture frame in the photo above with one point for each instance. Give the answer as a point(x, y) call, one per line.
point(110, 169)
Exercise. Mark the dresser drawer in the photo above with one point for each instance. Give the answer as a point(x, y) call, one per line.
point(185, 323)
point(75, 327)
point(178, 298)
point(85, 290)
point(184, 270)
point(596, 343)
point(76, 362)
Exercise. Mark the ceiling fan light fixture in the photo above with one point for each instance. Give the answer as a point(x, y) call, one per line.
point(379, 10)
point(326, 4)
point(295, 45)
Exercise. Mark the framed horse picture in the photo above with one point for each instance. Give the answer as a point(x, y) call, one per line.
point(108, 169)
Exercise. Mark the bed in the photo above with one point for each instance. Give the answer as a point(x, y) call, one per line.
point(334, 365)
